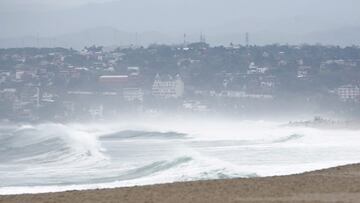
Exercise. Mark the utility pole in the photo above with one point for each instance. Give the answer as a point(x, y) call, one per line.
point(136, 39)
point(247, 40)
point(202, 38)
point(184, 40)
point(37, 40)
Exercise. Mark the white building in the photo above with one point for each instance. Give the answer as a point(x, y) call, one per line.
point(253, 69)
point(168, 87)
point(133, 71)
point(133, 94)
point(303, 71)
point(349, 93)
point(195, 106)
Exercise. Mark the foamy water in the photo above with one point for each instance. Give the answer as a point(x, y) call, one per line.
point(58, 157)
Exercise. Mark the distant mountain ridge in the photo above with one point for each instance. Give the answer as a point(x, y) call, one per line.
point(105, 36)
point(109, 36)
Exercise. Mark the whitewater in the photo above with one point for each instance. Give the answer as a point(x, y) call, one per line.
point(53, 157)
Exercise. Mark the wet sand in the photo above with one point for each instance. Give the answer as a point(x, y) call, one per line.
point(340, 184)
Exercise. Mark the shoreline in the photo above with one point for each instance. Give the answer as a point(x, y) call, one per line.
point(338, 184)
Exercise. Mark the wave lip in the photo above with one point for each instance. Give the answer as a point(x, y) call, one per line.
point(130, 134)
point(47, 143)
point(289, 138)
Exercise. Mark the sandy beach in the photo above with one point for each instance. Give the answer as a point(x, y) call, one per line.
point(340, 184)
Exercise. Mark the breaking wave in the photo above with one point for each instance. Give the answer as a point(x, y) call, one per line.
point(46, 144)
point(57, 157)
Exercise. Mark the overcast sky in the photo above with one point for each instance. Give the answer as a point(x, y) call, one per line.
point(15, 5)
point(266, 19)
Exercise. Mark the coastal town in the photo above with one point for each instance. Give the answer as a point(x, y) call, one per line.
point(58, 84)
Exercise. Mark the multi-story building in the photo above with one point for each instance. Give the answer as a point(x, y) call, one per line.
point(114, 82)
point(168, 87)
point(133, 94)
point(349, 93)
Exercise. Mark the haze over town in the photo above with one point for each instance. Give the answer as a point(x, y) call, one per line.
point(99, 94)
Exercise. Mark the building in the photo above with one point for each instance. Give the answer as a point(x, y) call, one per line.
point(168, 87)
point(253, 69)
point(303, 71)
point(114, 82)
point(133, 71)
point(241, 95)
point(4, 76)
point(133, 94)
point(9, 94)
point(349, 93)
point(113, 79)
point(195, 106)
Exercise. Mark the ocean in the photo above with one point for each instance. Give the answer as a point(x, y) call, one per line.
point(53, 157)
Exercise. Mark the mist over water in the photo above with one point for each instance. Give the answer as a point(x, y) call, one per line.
point(98, 94)
point(52, 157)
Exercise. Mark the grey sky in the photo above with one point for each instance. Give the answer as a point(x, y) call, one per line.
point(15, 5)
point(269, 21)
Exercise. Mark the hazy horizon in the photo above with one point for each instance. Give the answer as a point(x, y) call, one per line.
point(123, 22)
